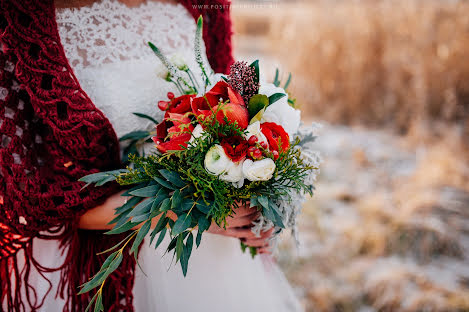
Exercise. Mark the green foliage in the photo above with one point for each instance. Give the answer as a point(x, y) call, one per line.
point(257, 103)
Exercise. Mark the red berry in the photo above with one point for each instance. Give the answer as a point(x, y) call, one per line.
point(251, 150)
point(275, 153)
point(264, 145)
point(163, 105)
point(257, 154)
point(252, 140)
point(170, 95)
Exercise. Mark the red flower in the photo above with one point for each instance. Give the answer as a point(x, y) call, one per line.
point(173, 133)
point(221, 92)
point(276, 136)
point(178, 105)
point(235, 147)
point(234, 110)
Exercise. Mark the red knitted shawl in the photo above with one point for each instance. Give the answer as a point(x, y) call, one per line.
point(51, 134)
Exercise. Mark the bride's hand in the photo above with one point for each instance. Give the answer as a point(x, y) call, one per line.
point(239, 226)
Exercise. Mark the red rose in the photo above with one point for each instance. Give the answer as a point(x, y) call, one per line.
point(235, 147)
point(276, 136)
point(178, 105)
point(173, 133)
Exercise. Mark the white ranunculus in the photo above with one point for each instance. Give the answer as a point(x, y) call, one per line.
point(196, 133)
point(259, 170)
point(216, 161)
point(280, 111)
point(234, 173)
point(284, 115)
point(269, 89)
point(255, 130)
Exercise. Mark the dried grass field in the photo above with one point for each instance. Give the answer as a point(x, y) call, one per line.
point(388, 228)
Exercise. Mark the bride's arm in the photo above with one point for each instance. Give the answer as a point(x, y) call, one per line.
point(238, 226)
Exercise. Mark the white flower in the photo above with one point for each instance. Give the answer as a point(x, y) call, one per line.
point(162, 72)
point(234, 173)
point(196, 133)
point(178, 61)
point(255, 130)
point(280, 112)
point(259, 170)
point(269, 89)
point(216, 162)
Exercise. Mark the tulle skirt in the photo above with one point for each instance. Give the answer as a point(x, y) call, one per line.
point(220, 278)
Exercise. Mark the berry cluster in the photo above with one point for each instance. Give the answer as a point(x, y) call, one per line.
point(242, 78)
point(257, 150)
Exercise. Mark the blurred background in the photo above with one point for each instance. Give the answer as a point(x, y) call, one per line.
point(388, 227)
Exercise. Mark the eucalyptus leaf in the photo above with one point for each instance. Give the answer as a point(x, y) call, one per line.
point(140, 236)
point(198, 239)
point(142, 208)
point(160, 237)
point(172, 177)
point(123, 228)
point(147, 191)
point(165, 205)
point(176, 199)
point(165, 183)
point(181, 224)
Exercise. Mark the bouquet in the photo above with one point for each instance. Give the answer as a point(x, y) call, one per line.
point(227, 142)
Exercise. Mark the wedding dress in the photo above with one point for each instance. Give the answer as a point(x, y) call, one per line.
point(106, 46)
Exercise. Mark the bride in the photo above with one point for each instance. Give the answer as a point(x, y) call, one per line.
point(68, 126)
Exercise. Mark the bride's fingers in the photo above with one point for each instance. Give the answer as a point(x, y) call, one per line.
point(244, 210)
point(258, 242)
point(243, 221)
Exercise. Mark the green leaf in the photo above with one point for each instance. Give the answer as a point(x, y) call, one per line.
point(288, 82)
point(146, 117)
point(186, 254)
point(101, 178)
point(181, 224)
point(258, 116)
point(255, 64)
point(204, 223)
point(129, 204)
point(161, 223)
point(264, 201)
point(90, 304)
point(165, 205)
point(198, 239)
point(135, 135)
point(276, 81)
point(165, 183)
point(172, 177)
point(98, 306)
point(176, 199)
point(203, 207)
point(179, 247)
point(160, 197)
point(140, 236)
point(275, 97)
point(142, 208)
point(127, 192)
point(147, 191)
point(160, 238)
point(123, 228)
point(256, 103)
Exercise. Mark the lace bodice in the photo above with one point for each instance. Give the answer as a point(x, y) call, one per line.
point(106, 44)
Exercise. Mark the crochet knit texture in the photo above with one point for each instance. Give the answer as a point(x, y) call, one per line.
point(51, 134)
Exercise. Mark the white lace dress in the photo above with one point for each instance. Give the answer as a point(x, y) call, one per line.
point(106, 46)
